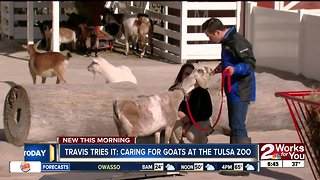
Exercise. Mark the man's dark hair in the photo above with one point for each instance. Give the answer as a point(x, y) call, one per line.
point(212, 24)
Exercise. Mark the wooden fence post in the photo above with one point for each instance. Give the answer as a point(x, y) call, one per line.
point(166, 26)
point(183, 30)
point(11, 20)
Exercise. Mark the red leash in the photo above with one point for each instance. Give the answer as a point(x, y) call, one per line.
point(226, 72)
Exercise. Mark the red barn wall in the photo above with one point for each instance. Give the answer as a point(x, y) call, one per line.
point(300, 5)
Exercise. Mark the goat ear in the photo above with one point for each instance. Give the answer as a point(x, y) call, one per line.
point(154, 22)
point(209, 70)
point(94, 60)
point(101, 58)
point(202, 82)
point(97, 59)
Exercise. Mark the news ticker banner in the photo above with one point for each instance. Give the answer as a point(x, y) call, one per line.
point(37, 166)
point(79, 153)
point(141, 152)
point(286, 155)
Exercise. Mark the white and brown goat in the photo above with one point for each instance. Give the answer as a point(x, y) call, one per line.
point(146, 115)
point(111, 73)
point(66, 36)
point(134, 27)
point(46, 64)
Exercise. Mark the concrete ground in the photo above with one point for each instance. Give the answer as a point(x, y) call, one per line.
point(153, 76)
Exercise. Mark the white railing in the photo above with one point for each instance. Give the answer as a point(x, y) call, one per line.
point(198, 50)
point(172, 41)
point(179, 45)
point(14, 25)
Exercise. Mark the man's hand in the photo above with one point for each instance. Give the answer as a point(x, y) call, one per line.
point(218, 69)
point(231, 69)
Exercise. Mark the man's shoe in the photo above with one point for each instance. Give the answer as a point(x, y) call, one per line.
point(181, 141)
point(240, 140)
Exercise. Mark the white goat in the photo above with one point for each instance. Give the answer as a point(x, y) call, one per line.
point(145, 115)
point(46, 64)
point(112, 73)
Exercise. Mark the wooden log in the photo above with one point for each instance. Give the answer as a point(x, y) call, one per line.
point(40, 113)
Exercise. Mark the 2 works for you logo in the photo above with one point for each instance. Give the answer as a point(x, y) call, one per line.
point(282, 151)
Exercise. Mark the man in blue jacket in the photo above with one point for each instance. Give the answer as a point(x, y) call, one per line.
point(237, 57)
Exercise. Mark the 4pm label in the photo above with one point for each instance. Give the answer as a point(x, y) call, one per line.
point(282, 151)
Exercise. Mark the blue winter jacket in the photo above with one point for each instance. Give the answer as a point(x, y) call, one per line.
point(237, 52)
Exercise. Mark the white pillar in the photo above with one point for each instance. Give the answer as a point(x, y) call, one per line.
point(249, 21)
point(146, 6)
point(131, 4)
point(55, 26)
point(278, 5)
point(30, 22)
point(300, 66)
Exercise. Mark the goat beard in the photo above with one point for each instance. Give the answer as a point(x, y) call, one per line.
point(94, 75)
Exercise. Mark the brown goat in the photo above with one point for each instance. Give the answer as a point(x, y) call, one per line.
point(66, 36)
point(47, 64)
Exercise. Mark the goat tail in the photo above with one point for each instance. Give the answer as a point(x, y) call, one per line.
point(74, 35)
point(68, 56)
point(74, 43)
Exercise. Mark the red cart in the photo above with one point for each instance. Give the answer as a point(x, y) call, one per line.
point(305, 115)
